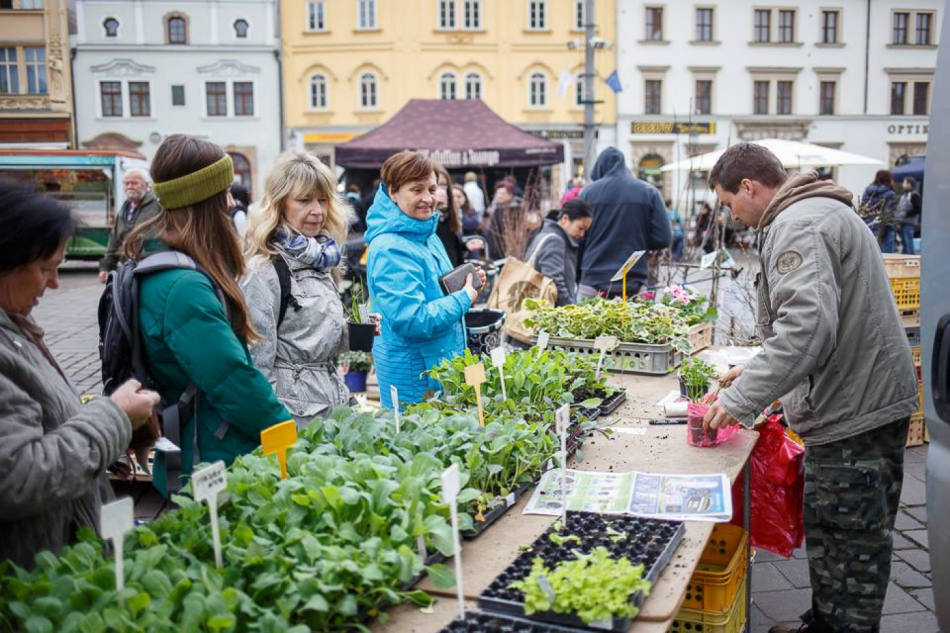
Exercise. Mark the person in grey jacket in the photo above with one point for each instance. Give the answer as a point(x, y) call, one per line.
point(300, 224)
point(835, 351)
point(54, 451)
point(139, 207)
point(554, 249)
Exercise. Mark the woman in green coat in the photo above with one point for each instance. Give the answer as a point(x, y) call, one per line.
point(187, 335)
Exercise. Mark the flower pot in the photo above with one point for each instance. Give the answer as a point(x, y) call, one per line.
point(355, 381)
point(361, 336)
point(483, 327)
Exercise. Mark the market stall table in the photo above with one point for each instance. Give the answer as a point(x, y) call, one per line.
point(662, 449)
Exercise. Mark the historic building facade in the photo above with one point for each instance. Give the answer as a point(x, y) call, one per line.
point(698, 76)
point(36, 99)
point(145, 69)
point(351, 64)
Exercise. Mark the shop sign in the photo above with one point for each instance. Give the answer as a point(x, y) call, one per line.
point(329, 137)
point(908, 128)
point(670, 127)
point(468, 157)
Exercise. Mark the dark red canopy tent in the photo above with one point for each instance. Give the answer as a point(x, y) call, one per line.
point(459, 134)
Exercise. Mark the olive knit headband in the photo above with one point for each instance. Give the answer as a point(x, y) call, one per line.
point(197, 186)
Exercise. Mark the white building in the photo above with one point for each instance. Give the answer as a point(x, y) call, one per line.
point(145, 69)
point(830, 73)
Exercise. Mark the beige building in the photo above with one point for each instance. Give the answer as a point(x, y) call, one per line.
point(35, 94)
point(349, 65)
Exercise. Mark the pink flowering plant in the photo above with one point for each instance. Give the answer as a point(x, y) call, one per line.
point(692, 306)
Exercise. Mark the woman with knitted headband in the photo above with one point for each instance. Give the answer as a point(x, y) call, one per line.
point(296, 235)
point(188, 336)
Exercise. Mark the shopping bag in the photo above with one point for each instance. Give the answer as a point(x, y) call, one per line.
point(778, 486)
point(696, 435)
point(519, 281)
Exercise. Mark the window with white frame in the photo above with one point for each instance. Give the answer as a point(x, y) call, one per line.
point(9, 75)
point(240, 28)
point(921, 98)
point(826, 99)
point(763, 26)
point(316, 15)
point(654, 24)
point(537, 15)
point(177, 30)
point(899, 33)
point(783, 102)
point(369, 97)
point(703, 100)
point(216, 93)
point(35, 58)
point(653, 96)
point(243, 98)
point(473, 86)
point(538, 90)
point(786, 26)
point(580, 91)
point(111, 27)
point(447, 19)
point(829, 26)
point(760, 97)
point(924, 28)
point(472, 15)
point(122, 98)
point(580, 15)
point(366, 14)
point(704, 24)
point(140, 99)
point(898, 97)
point(447, 87)
point(318, 92)
point(110, 96)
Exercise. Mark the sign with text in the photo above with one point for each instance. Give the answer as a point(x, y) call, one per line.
point(670, 127)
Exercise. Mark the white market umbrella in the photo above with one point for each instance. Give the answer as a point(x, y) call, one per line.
point(793, 155)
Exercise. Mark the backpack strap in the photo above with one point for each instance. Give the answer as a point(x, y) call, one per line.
point(286, 296)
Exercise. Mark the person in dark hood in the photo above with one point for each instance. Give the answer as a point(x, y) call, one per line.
point(629, 215)
point(554, 249)
point(878, 205)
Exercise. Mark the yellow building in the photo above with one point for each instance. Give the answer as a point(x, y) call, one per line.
point(36, 101)
point(349, 65)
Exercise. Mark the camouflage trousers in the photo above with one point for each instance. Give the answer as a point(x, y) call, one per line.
point(852, 491)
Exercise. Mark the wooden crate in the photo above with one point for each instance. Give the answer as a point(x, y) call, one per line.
point(700, 336)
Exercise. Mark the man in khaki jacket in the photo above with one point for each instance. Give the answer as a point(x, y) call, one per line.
point(139, 207)
point(835, 351)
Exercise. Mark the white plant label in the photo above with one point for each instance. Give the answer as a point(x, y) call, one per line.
point(207, 483)
point(115, 519)
point(451, 484)
point(708, 259)
point(364, 313)
point(562, 420)
point(627, 265)
point(394, 396)
point(543, 338)
point(604, 344)
point(421, 546)
point(498, 360)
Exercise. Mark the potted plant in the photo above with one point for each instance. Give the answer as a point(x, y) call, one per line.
point(695, 375)
point(361, 329)
point(355, 367)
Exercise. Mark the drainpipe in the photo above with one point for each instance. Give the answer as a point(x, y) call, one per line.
point(280, 78)
point(74, 123)
point(867, 56)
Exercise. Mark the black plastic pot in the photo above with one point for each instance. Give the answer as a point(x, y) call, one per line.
point(498, 510)
point(610, 403)
point(484, 329)
point(361, 336)
point(475, 622)
point(648, 541)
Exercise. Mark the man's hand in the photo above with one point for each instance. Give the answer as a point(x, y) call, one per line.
point(731, 376)
point(717, 418)
point(103, 276)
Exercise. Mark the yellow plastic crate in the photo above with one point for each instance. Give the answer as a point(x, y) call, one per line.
point(899, 266)
point(906, 292)
point(722, 569)
point(733, 621)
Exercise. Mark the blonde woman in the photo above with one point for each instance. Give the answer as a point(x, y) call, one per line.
point(293, 241)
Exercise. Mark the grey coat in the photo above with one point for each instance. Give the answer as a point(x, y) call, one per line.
point(556, 260)
point(834, 348)
point(299, 359)
point(53, 451)
point(121, 229)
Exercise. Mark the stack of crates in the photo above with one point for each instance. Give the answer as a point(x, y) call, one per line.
point(715, 599)
point(903, 271)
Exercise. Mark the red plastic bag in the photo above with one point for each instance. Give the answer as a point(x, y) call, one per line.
point(778, 486)
point(696, 436)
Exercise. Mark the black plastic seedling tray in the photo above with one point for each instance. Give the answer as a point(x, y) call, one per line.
point(502, 505)
point(475, 622)
point(611, 402)
point(434, 558)
point(648, 541)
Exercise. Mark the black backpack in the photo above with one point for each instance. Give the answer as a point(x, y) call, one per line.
point(286, 298)
point(120, 348)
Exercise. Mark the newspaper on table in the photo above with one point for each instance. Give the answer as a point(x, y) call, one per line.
point(672, 497)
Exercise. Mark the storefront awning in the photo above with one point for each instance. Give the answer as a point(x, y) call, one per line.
point(460, 134)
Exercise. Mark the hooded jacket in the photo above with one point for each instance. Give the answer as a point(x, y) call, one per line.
point(54, 451)
point(420, 324)
point(629, 215)
point(557, 260)
point(834, 348)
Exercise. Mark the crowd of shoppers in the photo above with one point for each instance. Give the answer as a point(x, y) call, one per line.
point(890, 215)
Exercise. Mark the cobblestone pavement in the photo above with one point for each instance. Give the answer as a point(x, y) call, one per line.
point(780, 587)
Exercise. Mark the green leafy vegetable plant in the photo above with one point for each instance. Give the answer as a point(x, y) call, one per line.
point(696, 374)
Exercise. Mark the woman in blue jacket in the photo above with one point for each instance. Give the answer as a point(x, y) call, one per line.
point(421, 325)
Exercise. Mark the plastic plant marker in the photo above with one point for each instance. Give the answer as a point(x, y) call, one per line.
point(451, 485)
point(207, 483)
point(627, 265)
point(498, 360)
point(562, 420)
point(475, 376)
point(364, 313)
point(604, 344)
point(543, 338)
point(421, 546)
point(394, 396)
point(708, 259)
point(277, 439)
point(115, 519)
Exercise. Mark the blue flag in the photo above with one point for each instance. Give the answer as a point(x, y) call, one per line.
point(614, 82)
